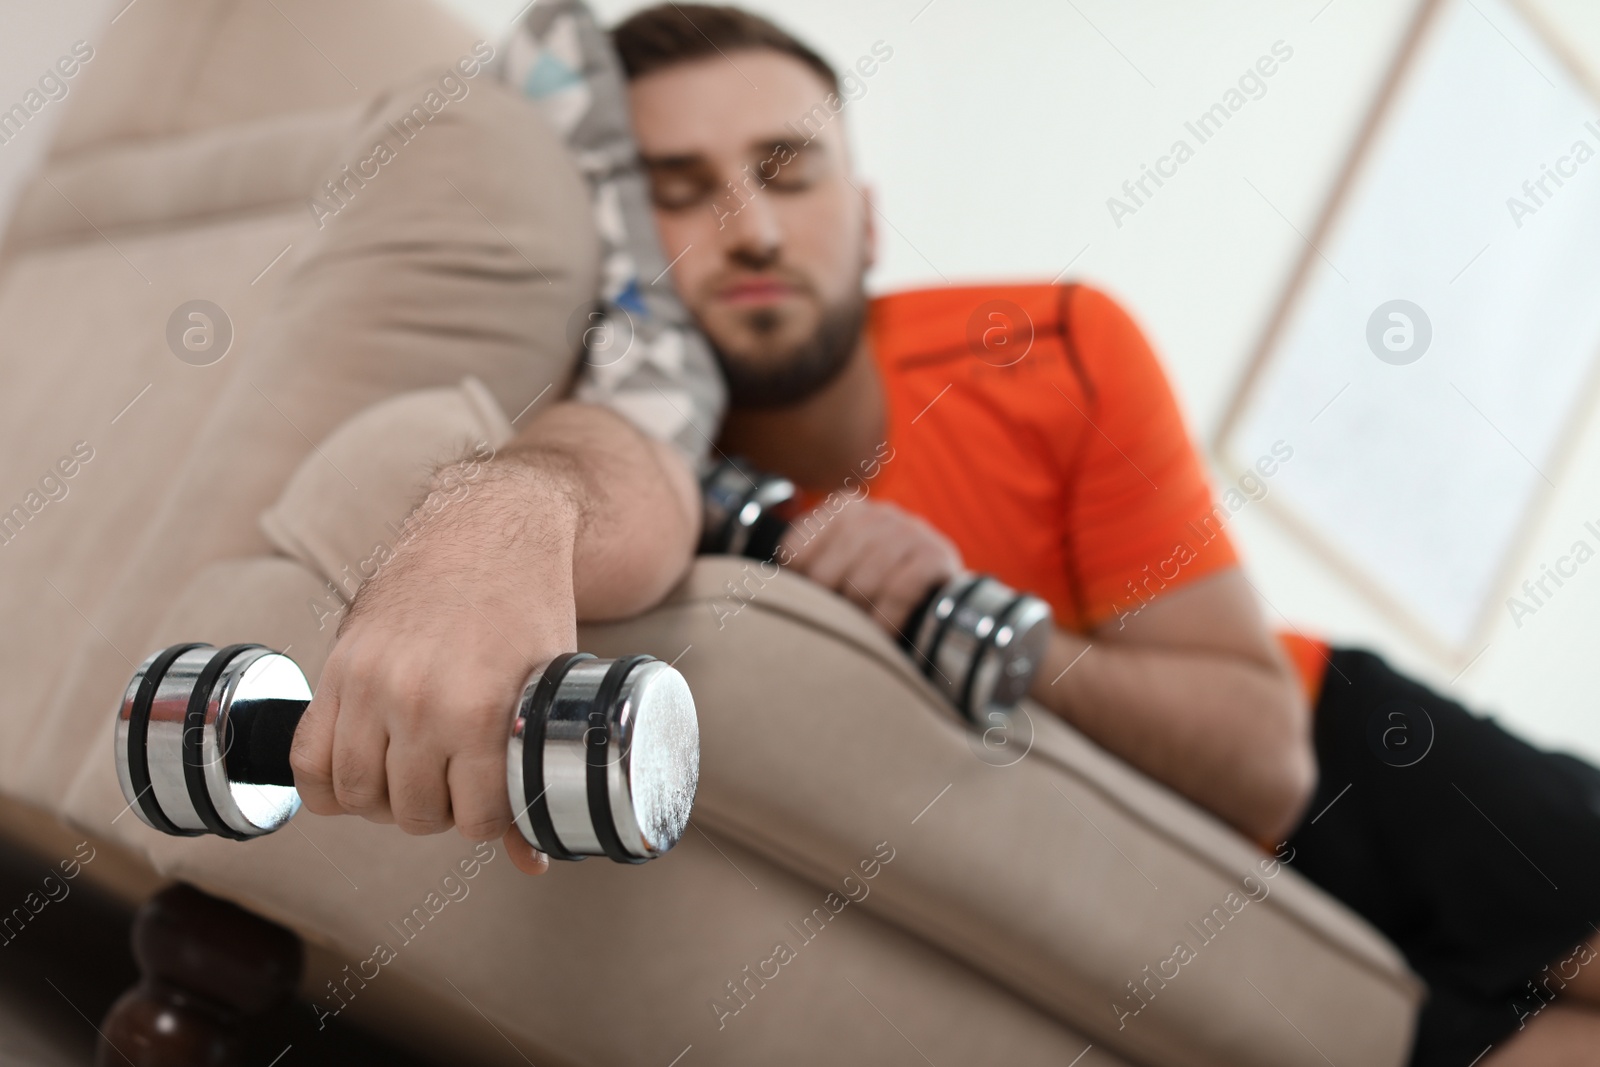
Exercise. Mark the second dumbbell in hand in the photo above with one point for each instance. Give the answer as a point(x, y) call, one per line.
point(976, 639)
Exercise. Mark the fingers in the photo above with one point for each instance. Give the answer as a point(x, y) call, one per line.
point(904, 580)
point(904, 589)
point(393, 737)
point(417, 796)
point(412, 713)
point(799, 545)
point(866, 580)
point(883, 559)
point(842, 544)
point(447, 761)
point(362, 738)
point(344, 763)
point(524, 857)
point(479, 801)
point(311, 752)
point(823, 550)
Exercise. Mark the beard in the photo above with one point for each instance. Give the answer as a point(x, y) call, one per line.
point(765, 373)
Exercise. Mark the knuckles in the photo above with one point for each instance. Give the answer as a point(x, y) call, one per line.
point(421, 826)
point(474, 716)
point(484, 829)
point(310, 777)
point(357, 798)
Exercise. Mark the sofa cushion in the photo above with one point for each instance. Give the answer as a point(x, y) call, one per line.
point(89, 379)
point(133, 187)
point(391, 450)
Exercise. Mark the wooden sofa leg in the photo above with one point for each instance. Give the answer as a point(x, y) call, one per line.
point(206, 967)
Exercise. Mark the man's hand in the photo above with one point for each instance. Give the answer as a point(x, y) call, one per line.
point(580, 516)
point(412, 711)
point(883, 559)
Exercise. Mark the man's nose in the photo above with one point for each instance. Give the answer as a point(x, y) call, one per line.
point(751, 235)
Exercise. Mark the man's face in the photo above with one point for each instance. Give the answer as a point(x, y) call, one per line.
point(767, 235)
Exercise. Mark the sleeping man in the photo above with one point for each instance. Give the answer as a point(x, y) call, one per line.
point(1031, 434)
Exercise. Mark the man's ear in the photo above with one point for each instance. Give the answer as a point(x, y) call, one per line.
point(869, 226)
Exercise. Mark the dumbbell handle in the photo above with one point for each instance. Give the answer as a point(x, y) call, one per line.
point(603, 757)
point(258, 753)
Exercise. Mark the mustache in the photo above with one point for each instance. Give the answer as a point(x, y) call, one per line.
point(725, 278)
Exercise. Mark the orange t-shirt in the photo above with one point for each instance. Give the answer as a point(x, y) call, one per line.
point(1033, 426)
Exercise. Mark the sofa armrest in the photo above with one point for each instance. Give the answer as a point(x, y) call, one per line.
point(1066, 876)
point(389, 449)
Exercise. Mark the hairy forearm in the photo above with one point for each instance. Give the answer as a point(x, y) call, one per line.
point(629, 505)
point(580, 515)
point(1226, 731)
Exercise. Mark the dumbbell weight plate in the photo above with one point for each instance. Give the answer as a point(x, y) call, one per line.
point(742, 511)
point(167, 735)
point(981, 642)
point(620, 747)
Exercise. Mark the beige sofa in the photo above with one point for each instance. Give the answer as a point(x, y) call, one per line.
point(1020, 888)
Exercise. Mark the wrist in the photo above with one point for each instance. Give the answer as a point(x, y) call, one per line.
point(1055, 683)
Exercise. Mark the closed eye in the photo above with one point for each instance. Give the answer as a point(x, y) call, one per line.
point(679, 183)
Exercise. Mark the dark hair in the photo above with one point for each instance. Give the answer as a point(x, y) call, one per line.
point(667, 34)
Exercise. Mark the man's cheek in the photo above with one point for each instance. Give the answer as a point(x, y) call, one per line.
point(681, 231)
point(690, 268)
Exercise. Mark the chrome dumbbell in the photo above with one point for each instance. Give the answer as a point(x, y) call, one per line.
point(979, 641)
point(603, 758)
point(976, 638)
point(744, 511)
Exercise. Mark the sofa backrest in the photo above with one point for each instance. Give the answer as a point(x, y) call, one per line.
point(171, 67)
point(185, 171)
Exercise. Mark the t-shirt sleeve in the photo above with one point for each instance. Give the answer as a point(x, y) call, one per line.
point(643, 356)
point(1143, 518)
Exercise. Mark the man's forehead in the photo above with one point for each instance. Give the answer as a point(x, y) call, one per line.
point(726, 103)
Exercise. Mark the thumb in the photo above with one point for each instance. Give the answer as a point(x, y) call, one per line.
point(524, 857)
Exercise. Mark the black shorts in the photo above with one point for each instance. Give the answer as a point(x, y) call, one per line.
point(1474, 852)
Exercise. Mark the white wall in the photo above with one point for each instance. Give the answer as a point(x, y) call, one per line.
point(994, 136)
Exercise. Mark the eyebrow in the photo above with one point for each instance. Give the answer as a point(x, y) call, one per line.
point(799, 148)
point(767, 148)
point(682, 161)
